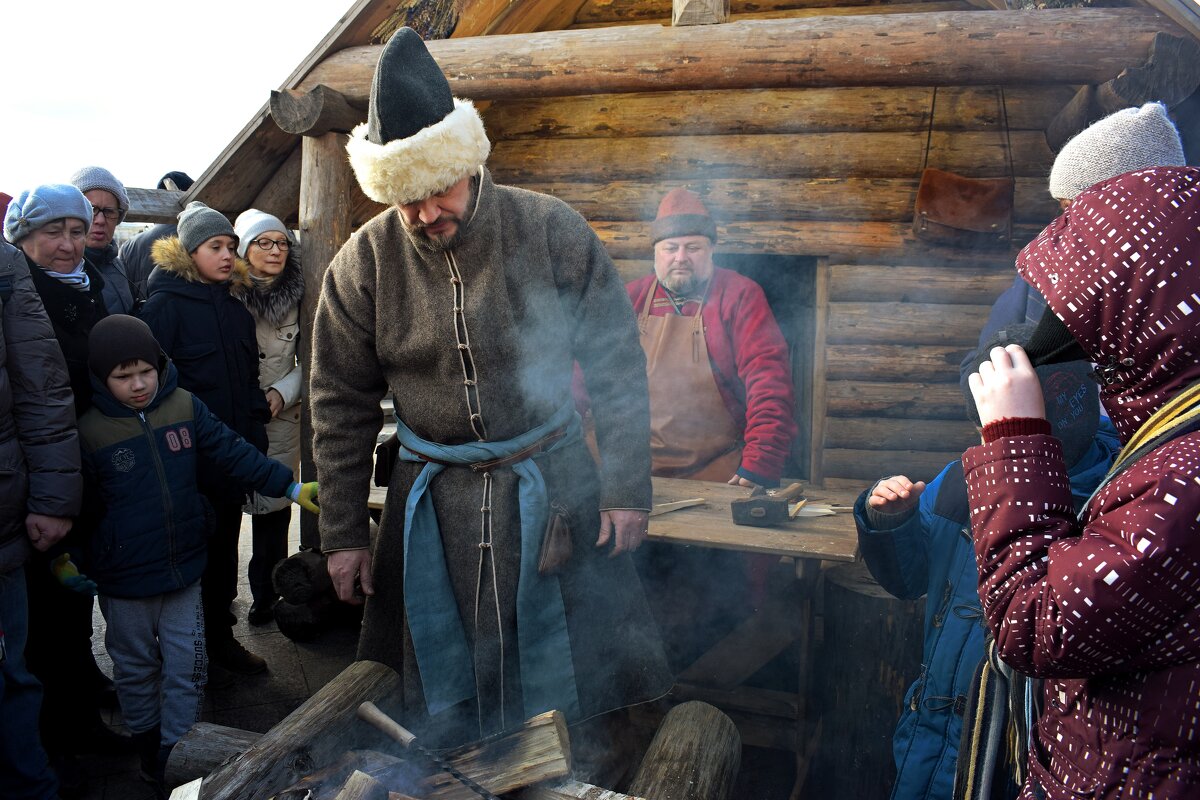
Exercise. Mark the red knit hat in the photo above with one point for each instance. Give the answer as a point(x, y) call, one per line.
point(681, 213)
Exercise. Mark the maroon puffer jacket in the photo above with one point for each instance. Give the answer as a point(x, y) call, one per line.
point(1108, 611)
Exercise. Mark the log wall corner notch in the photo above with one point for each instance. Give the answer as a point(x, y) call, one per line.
point(699, 12)
point(316, 112)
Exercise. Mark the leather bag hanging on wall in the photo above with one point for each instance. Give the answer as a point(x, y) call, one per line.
point(959, 211)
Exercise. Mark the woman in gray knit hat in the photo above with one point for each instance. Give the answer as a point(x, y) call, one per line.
point(210, 337)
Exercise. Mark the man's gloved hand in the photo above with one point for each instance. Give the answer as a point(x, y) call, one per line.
point(305, 495)
point(67, 574)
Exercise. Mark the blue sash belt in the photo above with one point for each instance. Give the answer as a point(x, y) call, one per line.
point(439, 638)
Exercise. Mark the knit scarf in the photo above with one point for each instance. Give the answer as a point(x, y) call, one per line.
point(77, 278)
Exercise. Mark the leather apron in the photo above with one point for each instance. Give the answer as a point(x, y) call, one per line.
point(692, 434)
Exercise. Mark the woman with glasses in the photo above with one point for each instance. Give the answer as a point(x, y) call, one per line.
point(273, 298)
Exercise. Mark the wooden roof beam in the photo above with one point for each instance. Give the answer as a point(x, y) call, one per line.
point(972, 48)
point(153, 205)
point(314, 113)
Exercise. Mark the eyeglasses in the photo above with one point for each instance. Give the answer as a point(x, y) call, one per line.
point(266, 244)
point(110, 214)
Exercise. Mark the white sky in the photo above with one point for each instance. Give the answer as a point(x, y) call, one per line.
point(141, 87)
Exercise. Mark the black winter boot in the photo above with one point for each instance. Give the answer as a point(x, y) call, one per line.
point(147, 743)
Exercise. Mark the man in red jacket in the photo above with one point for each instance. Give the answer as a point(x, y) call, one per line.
point(1105, 607)
point(721, 405)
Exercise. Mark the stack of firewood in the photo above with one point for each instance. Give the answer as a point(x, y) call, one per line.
point(324, 751)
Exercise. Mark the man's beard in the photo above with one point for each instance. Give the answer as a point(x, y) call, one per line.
point(444, 242)
point(682, 284)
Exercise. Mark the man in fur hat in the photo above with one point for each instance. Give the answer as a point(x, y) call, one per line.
point(500, 584)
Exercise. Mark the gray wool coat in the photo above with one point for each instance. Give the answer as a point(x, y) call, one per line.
point(540, 294)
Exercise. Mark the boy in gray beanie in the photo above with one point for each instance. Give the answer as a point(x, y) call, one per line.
point(1129, 140)
point(198, 223)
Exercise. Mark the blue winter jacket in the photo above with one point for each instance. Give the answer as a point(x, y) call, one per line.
point(146, 519)
point(931, 553)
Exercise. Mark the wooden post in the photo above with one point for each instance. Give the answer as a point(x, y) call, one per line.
point(313, 735)
point(699, 12)
point(695, 755)
point(325, 224)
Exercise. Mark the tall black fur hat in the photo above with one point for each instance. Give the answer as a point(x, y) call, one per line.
point(418, 139)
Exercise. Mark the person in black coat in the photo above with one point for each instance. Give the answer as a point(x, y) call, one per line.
point(210, 337)
point(49, 224)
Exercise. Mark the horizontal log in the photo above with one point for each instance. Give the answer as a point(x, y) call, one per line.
point(908, 400)
point(972, 49)
point(904, 323)
point(153, 205)
point(848, 242)
point(869, 465)
point(895, 362)
point(733, 199)
point(928, 7)
point(808, 155)
point(818, 110)
point(630, 269)
point(203, 749)
point(938, 435)
point(963, 285)
point(315, 112)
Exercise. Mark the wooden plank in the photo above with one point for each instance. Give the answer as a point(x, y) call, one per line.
point(895, 362)
point(153, 205)
point(847, 241)
point(870, 465)
point(905, 323)
point(753, 111)
point(820, 370)
point(960, 285)
point(908, 400)
point(939, 435)
point(806, 155)
point(973, 49)
point(831, 538)
point(927, 7)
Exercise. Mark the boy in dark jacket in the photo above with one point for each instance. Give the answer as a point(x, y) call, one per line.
point(916, 541)
point(146, 551)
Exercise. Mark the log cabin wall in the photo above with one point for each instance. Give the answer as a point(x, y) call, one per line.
point(825, 172)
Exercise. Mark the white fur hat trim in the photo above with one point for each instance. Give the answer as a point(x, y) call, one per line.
point(428, 162)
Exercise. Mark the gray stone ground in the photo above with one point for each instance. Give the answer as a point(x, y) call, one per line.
point(255, 702)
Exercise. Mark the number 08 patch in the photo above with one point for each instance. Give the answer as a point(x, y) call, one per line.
point(178, 439)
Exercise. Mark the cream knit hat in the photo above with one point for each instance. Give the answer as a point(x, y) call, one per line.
point(1130, 139)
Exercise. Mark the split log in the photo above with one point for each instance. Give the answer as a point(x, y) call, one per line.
point(856, 433)
point(153, 205)
point(315, 112)
point(905, 323)
point(756, 111)
point(326, 782)
point(695, 755)
point(806, 155)
point(361, 786)
point(302, 577)
point(734, 199)
point(1073, 45)
point(313, 735)
point(204, 749)
point(570, 790)
point(872, 654)
point(848, 242)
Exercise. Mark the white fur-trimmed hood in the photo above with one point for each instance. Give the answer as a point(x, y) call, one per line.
point(431, 160)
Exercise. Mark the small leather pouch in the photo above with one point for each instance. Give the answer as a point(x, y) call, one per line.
point(956, 210)
point(557, 546)
point(385, 458)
